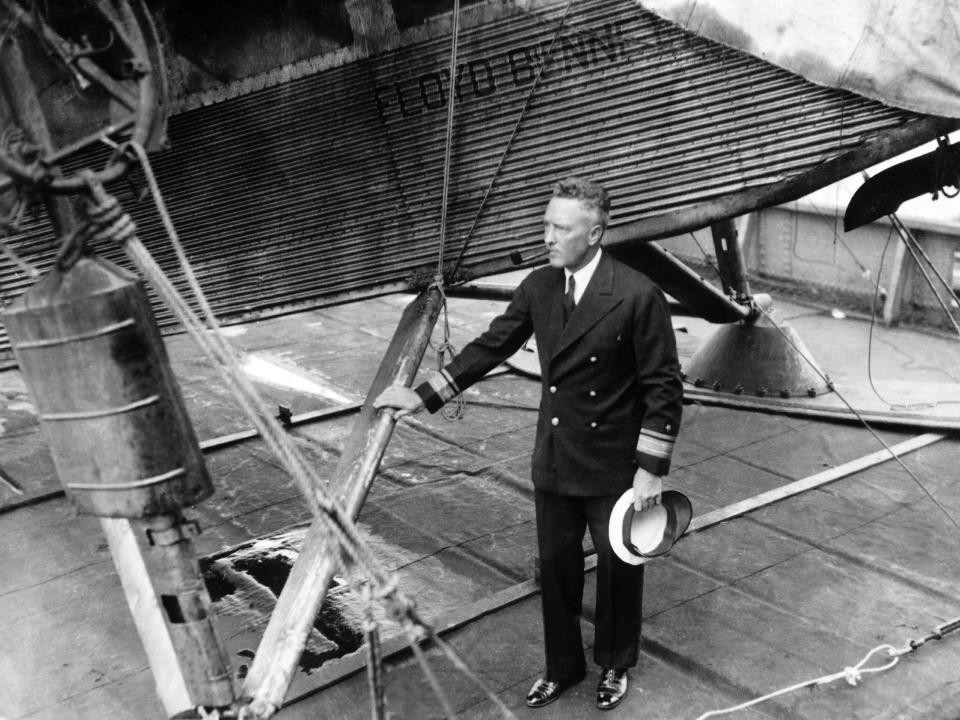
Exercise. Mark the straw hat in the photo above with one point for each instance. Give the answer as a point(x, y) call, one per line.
point(651, 532)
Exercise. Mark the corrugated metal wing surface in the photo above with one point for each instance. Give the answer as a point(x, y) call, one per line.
point(328, 187)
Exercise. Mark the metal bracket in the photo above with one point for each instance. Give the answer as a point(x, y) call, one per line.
point(178, 533)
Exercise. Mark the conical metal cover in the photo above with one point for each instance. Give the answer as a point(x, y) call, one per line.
point(757, 359)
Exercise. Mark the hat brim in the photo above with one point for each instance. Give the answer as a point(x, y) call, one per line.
point(636, 536)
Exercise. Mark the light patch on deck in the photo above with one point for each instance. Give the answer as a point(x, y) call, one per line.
point(266, 371)
point(233, 331)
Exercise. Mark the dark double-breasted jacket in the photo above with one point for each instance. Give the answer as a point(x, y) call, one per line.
point(611, 391)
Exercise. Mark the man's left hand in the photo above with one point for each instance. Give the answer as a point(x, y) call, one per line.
point(646, 489)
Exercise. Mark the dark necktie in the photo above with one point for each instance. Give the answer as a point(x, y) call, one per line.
point(568, 302)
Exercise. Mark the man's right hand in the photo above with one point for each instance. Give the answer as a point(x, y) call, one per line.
point(404, 399)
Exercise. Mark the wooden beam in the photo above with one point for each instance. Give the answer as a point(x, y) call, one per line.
point(158, 568)
point(222, 441)
point(171, 685)
point(277, 657)
point(728, 512)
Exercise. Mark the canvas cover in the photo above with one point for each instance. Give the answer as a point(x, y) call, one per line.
point(900, 52)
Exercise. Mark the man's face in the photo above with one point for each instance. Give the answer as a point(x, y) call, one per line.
point(571, 233)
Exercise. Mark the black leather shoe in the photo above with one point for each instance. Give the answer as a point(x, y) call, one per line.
point(545, 691)
point(612, 688)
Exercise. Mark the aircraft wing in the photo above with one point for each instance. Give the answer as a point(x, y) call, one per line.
point(903, 53)
point(321, 182)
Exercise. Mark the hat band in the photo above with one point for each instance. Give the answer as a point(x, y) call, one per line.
point(669, 531)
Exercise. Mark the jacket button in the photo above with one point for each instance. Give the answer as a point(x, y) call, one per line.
point(593, 424)
point(593, 393)
point(553, 389)
point(555, 421)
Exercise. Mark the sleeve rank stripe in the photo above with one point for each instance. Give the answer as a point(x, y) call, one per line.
point(443, 385)
point(654, 446)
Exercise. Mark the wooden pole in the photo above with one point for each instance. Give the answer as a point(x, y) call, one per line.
point(279, 652)
point(158, 568)
point(171, 685)
point(222, 441)
point(728, 512)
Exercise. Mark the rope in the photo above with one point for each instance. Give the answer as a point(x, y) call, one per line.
point(706, 256)
point(456, 411)
point(873, 322)
point(852, 674)
point(26, 268)
point(428, 673)
point(374, 658)
point(513, 135)
point(448, 148)
point(457, 407)
point(109, 222)
point(324, 507)
point(859, 417)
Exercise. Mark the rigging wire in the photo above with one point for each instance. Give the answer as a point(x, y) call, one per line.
point(918, 253)
point(513, 135)
point(860, 417)
point(837, 238)
point(873, 322)
point(707, 258)
point(448, 146)
point(873, 319)
point(459, 404)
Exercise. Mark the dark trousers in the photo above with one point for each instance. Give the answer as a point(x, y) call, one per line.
point(561, 523)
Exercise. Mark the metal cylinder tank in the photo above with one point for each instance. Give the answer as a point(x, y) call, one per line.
point(97, 370)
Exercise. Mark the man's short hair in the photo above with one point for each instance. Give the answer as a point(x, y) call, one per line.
point(589, 193)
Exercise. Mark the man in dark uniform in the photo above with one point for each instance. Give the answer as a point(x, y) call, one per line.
point(609, 414)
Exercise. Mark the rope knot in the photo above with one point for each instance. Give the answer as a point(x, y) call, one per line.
point(398, 608)
point(107, 219)
point(852, 675)
point(389, 587)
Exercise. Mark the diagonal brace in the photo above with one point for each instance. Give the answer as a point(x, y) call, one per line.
point(279, 652)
